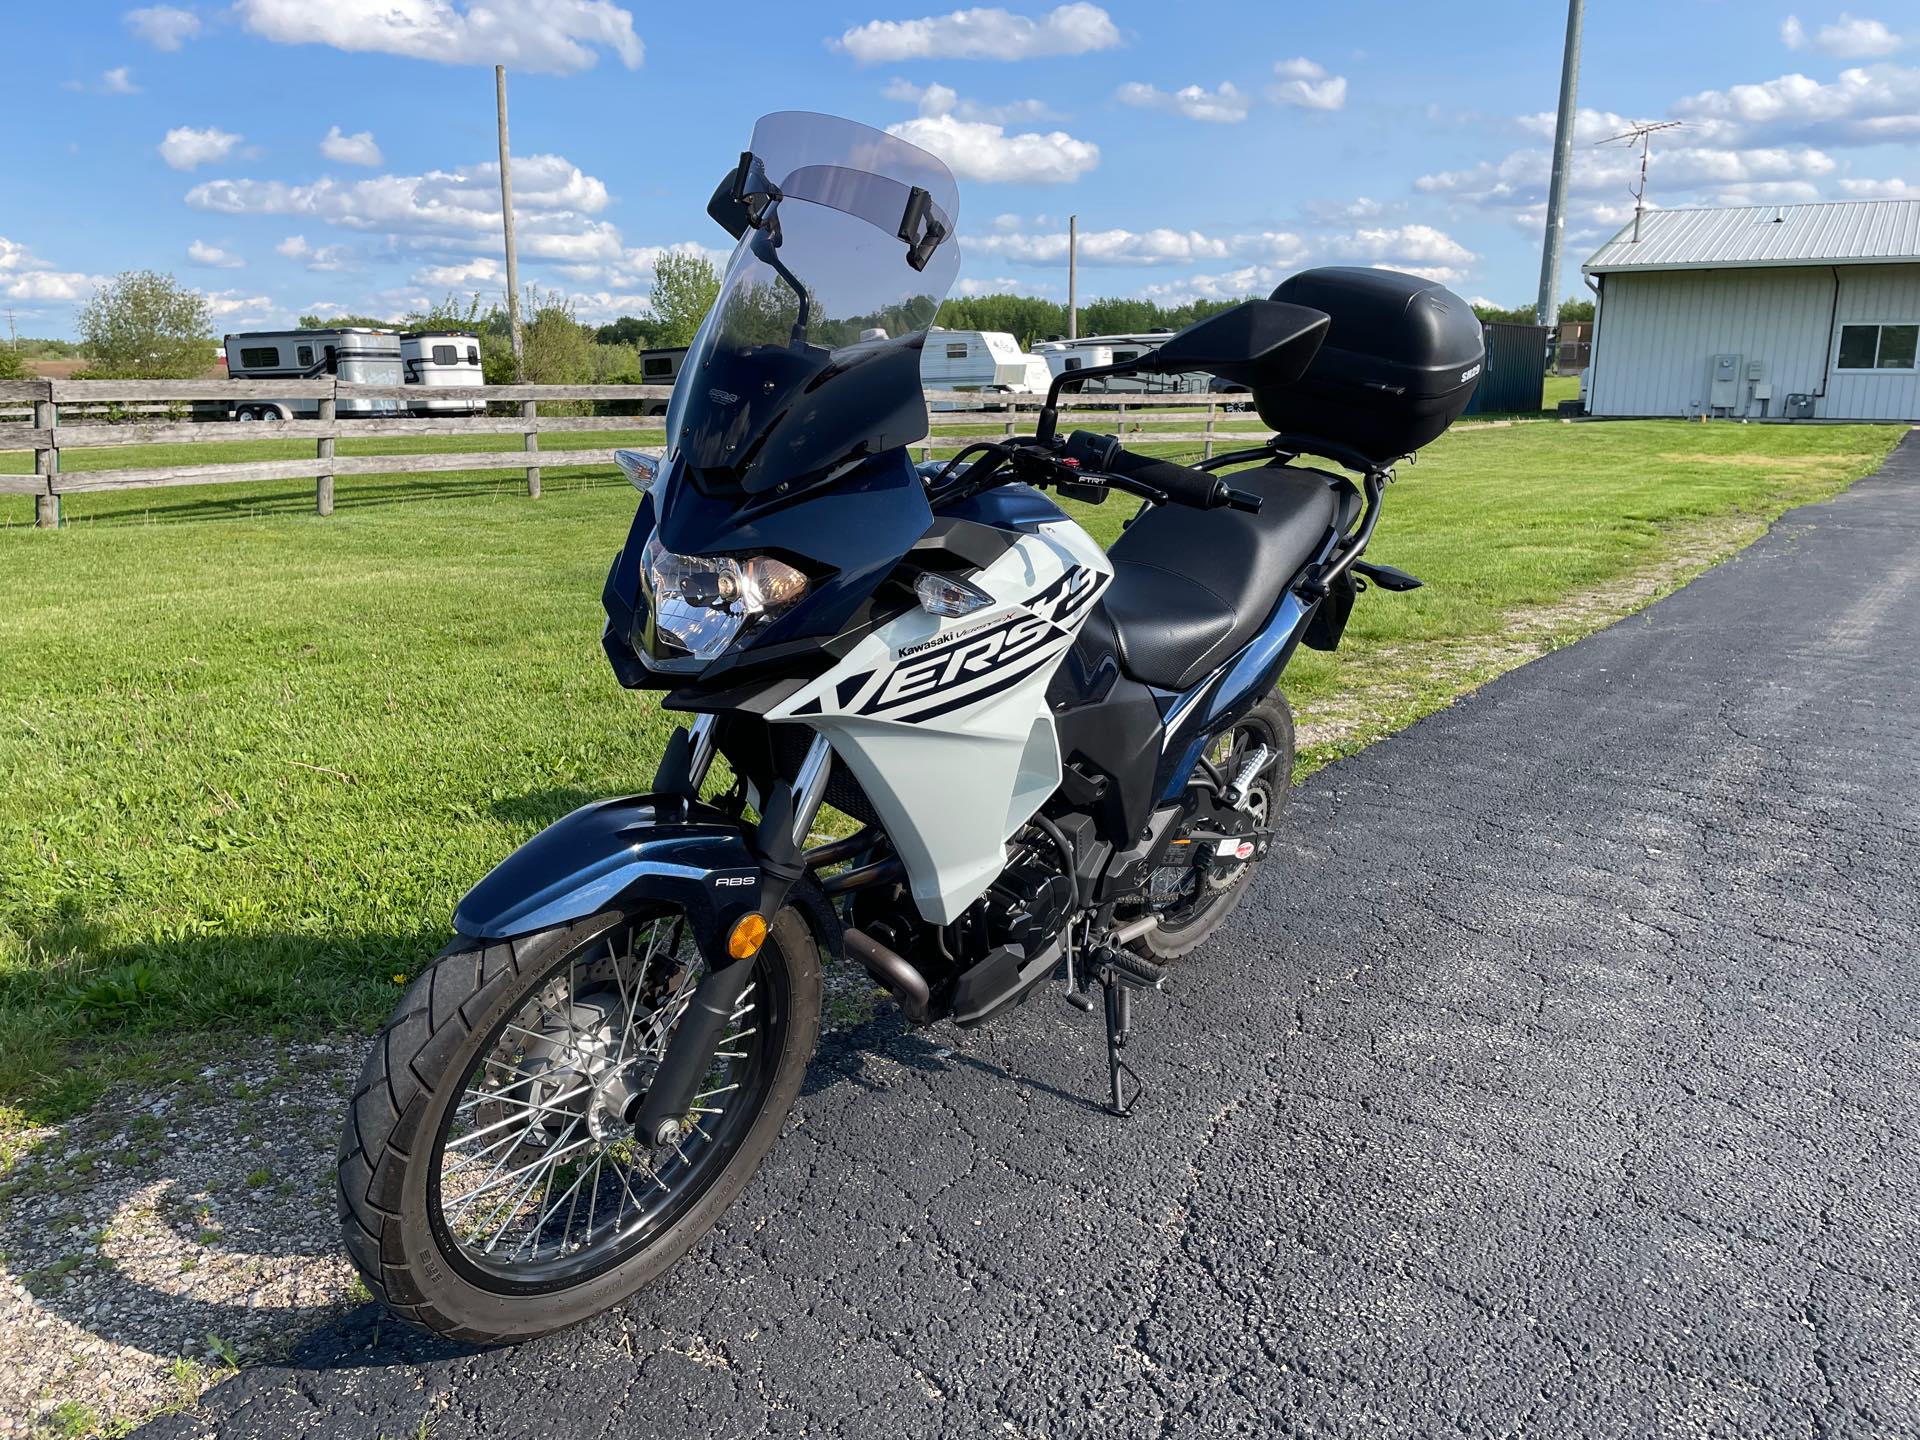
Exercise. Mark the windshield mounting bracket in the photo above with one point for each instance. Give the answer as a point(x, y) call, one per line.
point(920, 228)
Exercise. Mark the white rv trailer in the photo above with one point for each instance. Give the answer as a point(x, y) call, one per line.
point(1091, 351)
point(989, 360)
point(438, 358)
point(356, 355)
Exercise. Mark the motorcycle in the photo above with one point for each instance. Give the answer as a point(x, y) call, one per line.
point(1052, 762)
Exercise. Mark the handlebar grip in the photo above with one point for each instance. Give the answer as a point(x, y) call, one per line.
point(1178, 483)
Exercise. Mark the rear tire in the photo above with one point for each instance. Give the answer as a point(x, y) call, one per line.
point(394, 1217)
point(1269, 723)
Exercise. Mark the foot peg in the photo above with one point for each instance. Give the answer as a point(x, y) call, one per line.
point(1121, 973)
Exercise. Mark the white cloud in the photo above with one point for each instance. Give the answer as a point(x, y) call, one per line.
point(117, 81)
point(201, 253)
point(985, 33)
point(185, 148)
point(977, 150)
point(1867, 105)
point(355, 149)
point(1846, 39)
point(1893, 189)
point(234, 305)
point(441, 209)
point(25, 277)
point(1004, 285)
point(1104, 247)
point(938, 99)
point(165, 27)
point(313, 257)
point(482, 270)
point(1307, 84)
point(1249, 280)
point(50, 285)
point(1347, 212)
point(1224, 106)
point(554, 37)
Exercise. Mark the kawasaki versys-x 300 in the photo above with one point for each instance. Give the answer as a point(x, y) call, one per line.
point(1051, 764)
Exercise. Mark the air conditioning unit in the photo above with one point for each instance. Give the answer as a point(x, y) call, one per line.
point(1799, 407)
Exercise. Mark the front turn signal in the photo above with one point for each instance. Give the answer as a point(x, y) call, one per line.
point(749, 933)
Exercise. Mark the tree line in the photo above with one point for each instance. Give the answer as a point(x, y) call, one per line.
point(146, 325)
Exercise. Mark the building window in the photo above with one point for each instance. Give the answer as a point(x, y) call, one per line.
point(1073, 362)
point(957, 352)
point(656, 367)
point(306, 354)
point(445, 355)
point(1878, 347)
point(1120, 357)
point(260, 357)
point(473, 354)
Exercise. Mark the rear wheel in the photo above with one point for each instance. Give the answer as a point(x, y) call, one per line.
point(1208, 888)
point(492, 1187)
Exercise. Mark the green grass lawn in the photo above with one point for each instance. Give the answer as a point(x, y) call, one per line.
point(249, 763)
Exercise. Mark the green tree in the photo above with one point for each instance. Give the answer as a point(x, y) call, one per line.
point(13, 365)
point(1581, 310)
point(684, 289)
point(451, 313)
point(631, 330)
point(557, 348)
point(346, 322)
point(146, 326)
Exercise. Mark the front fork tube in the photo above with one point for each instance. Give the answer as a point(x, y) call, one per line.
point(781, 841)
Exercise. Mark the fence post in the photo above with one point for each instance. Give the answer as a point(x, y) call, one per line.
point(323, 452)
point(1123, 420)
point(529, 410)
point(1208, 452)
point(46, 463)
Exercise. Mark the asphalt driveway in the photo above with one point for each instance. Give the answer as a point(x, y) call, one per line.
point(1561, 1078)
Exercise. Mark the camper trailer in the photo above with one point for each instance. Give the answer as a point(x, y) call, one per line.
point(439, 358)
point(357, 356)
point(660, 367)
point(1091, 351)
point(987, 360)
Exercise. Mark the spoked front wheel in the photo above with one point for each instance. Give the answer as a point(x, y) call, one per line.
point(492, 1186)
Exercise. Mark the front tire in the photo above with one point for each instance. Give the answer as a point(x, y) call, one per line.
point(539, 1048)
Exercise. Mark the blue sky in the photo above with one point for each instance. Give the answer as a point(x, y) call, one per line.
point(287, 156)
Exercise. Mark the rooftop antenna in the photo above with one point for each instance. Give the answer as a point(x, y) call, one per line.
point(1643, 134)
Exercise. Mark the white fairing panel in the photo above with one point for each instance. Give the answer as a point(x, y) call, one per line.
point(945, 722)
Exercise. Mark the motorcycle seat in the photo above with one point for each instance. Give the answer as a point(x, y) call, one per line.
point(1190, 587)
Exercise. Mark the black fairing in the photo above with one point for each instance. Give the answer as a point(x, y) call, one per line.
point(847, 536)
point(1109, 727)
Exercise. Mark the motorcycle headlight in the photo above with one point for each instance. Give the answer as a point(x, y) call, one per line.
point(703, 604)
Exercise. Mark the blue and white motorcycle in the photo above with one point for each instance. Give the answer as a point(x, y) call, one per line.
point(1048, 761)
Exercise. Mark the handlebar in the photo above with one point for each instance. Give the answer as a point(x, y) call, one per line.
point(1090, 464)
point(1180, 484)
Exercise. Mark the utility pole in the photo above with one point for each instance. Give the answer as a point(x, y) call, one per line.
point(1073, 258)
point(506, 215)
point(1643, 135)
point(1547, 310)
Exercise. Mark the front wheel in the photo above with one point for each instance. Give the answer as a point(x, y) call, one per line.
point(492, 1187)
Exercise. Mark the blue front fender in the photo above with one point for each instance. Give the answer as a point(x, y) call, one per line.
point(614, 854)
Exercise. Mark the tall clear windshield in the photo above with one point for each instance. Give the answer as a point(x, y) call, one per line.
point(810, 357)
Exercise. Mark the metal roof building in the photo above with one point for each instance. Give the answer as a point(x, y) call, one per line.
point(1762, 312)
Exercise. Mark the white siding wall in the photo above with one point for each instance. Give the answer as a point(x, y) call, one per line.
point(1657, 333)
point(1876, 294)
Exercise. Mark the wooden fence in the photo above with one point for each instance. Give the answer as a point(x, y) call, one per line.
point(44, 433)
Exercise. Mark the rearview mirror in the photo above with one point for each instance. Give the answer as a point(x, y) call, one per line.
point(1257, 342)
point(726, 207)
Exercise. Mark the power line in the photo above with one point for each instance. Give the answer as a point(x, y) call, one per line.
point(1644, 135)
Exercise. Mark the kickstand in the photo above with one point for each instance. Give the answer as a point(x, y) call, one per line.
point(1119, 1026)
